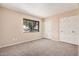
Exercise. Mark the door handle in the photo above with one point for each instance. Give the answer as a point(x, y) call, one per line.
point(61, 30)
point(73, 31)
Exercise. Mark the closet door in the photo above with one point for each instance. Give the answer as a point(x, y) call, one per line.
point(69, 29)
point(76, 28)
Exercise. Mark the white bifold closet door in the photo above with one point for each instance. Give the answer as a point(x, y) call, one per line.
point(69, 29)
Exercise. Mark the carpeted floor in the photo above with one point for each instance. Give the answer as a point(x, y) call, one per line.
point(41, 47)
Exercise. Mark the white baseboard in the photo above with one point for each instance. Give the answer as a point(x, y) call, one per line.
point(7, 45)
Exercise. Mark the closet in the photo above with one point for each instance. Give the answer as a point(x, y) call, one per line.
point(69, 29)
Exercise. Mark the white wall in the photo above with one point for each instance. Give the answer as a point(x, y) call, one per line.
point(48, 29)
point(51, 28)
point(11, 28)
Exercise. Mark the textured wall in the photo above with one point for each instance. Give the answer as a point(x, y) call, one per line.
point(11, 28)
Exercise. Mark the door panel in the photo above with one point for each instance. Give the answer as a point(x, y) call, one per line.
point(69, 29)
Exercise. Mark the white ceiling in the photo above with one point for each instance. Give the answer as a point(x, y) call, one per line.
point(41, 9)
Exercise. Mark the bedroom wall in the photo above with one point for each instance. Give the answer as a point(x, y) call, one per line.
point(11, 28)
point(52, 30)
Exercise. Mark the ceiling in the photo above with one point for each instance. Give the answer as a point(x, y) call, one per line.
point(41, 9)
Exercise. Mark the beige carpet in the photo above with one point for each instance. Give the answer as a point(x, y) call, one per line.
point(42, 47)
